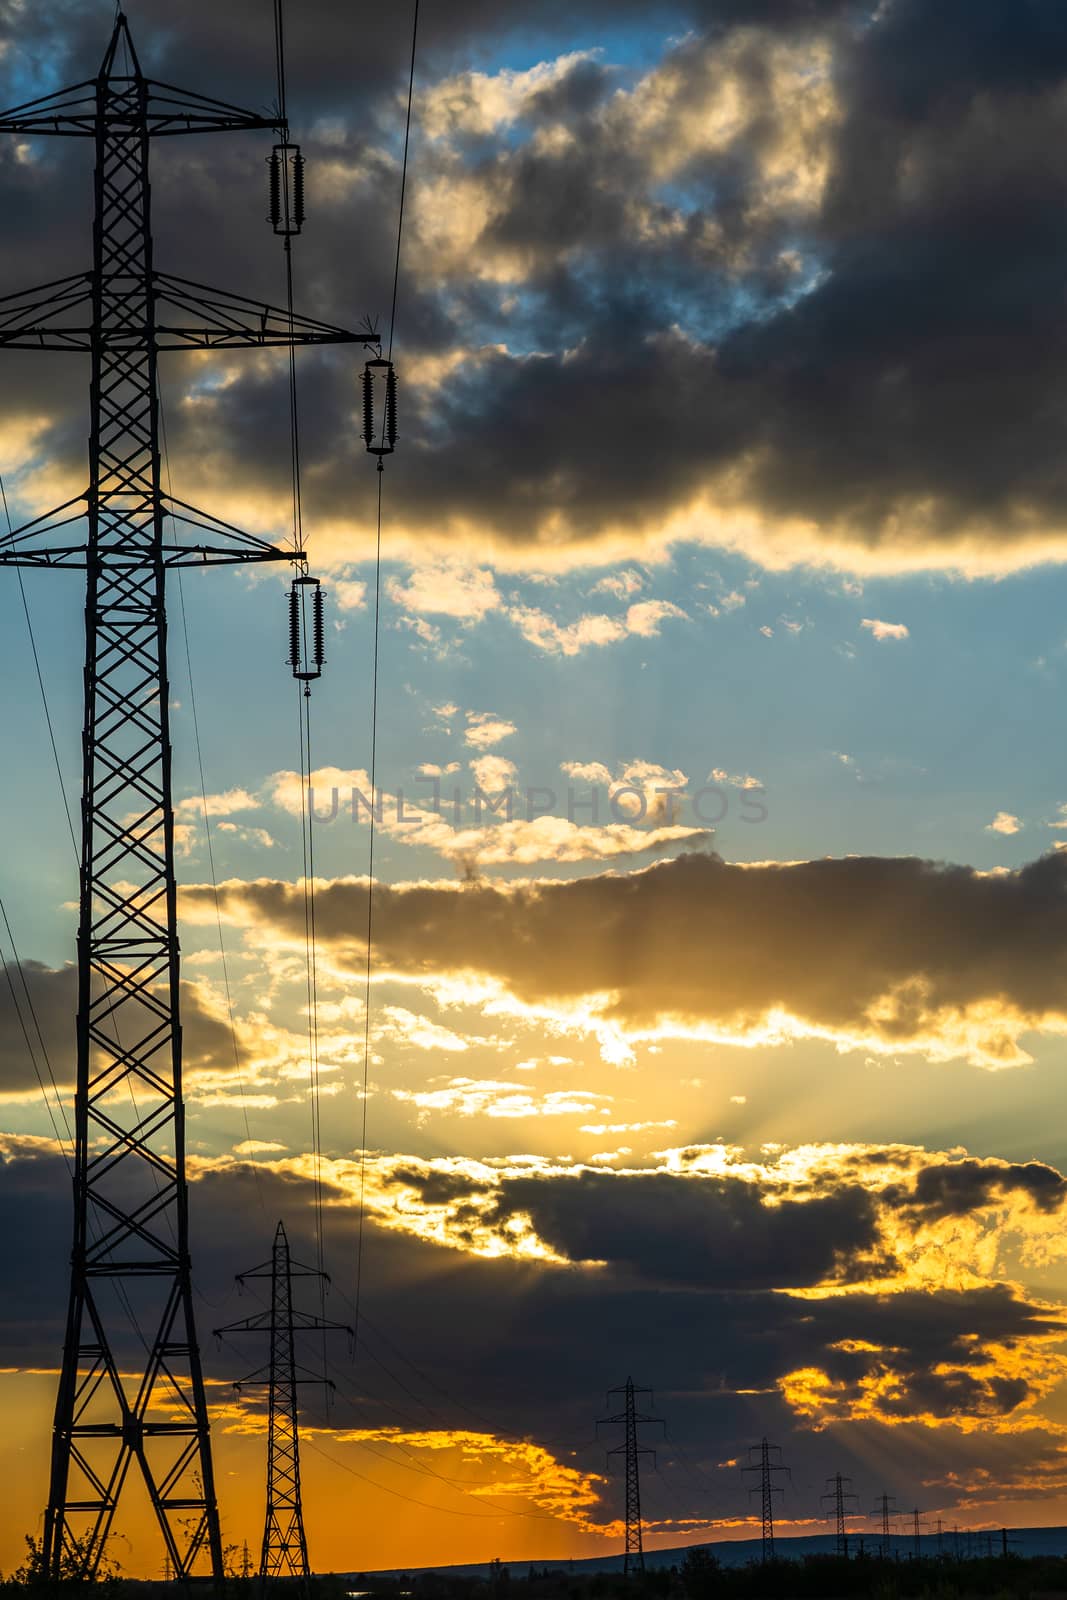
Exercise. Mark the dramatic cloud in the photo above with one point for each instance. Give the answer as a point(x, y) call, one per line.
point(891, 1314)
point(895, 955)
point(639, 298)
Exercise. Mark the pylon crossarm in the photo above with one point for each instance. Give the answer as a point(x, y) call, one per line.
point(298, 1270)
point(74, 112)
point(180, 511)
point(235, 546)
point(234, 321)
point(29, 318)
point(172, 110)
point(307, 1322)
point(259, 1376)
point(72, 558)
point(214, 556)
point(37, 526)
point(255, 1324)
point(68, 111)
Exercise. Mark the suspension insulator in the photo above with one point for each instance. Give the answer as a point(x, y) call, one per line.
point(275, 166)
point(294, 627)
point(306, 665)
point(298, 191)
point(319, 626)
point(379, 436)
point(390, 408)
point(286, 189)
point(368, 408)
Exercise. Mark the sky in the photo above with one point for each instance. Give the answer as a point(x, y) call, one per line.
point(719, 956)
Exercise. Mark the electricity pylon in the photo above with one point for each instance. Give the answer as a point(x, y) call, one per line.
point(840, 1496)
point(767, 1467)
point(131, 1391)
point(886, 1510)
point(630, 1418)
point(285, 1551)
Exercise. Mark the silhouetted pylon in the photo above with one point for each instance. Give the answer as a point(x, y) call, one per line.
point(767, 1467)
point(886, 1511)
point(630, 1419)
point(131, 1408)
point(284, 1553)
point(839, 1495)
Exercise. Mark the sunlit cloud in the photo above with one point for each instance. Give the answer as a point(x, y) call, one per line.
point(887, 966)
point(642, 620)
point(885, 630)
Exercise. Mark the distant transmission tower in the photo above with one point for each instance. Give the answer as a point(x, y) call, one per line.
point(632, 1449)
point(131, 1392)
point(886, 1511)
point(916, 1534)
point(285, 1552)
point(767, 1467)
point(839, 1493)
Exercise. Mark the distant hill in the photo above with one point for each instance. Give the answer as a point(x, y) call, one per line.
point(738, 1552)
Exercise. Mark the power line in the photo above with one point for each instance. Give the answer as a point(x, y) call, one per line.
point(287, 161)
point(374, 680)
point(234, 1043)
point(69, 1141)
point(40, 685)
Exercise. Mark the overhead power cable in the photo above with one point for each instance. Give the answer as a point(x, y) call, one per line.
point(374, 697)
point(292, 166)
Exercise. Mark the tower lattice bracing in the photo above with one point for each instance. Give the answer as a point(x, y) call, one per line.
point(284, 1553)
point(631, 1449)
point(131, 1394)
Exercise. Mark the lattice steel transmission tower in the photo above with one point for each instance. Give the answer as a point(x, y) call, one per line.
point(840, 1497)
point(285, 1552)
point(131, 1393)
point(767, 1467)
point(885, 1510)
point(632, 1449)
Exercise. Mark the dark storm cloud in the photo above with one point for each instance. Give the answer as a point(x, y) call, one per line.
point(918, 380)
point(957, 1188)
point(46, 998)
point(669, 1229)
point(899, 389)
point(893, 952)
point(532, 1347)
